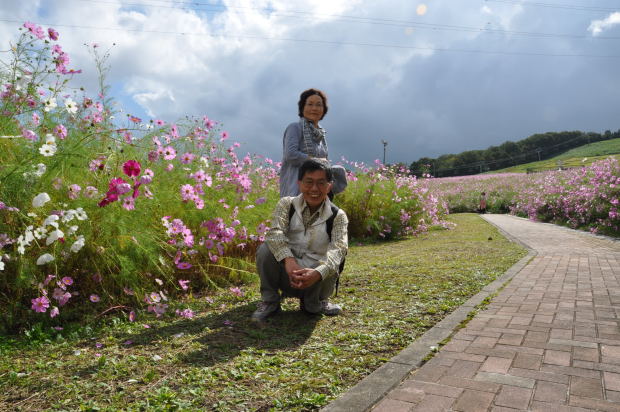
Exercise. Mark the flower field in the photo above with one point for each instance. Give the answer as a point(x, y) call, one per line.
point(104, 212)
point(585, 198)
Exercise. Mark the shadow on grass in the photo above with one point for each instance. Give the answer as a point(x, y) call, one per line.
point(224, 335)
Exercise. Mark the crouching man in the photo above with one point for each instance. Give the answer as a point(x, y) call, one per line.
point(304, 247)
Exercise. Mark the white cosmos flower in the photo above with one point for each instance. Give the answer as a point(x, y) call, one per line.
point(72, 229)
point(41, 168)
point(68, 216)
point(40, 199)
point(71, 106)
point(78, 244)
point(50, 139)
point(48, 150)
point(80, 214)
point(51, 220)
point(40, 232)
point(49, 104)
point(45, 258)
point(54, 236)
point(1, 265)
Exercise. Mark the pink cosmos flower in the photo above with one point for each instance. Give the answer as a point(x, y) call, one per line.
point(53, 34)
point(169, 153)
point(134, 119)
point(60, 131)
point(183, 283)
point(40, 304)
point(169, 167)
point(187, 192)
point(260, 200)
point(54, 312)
point(159, 122)
point(237, 291)
point(132, 316)
point(228, 323)
point(186, 313)
point(94, 298)
point(67, 280)
point(209, 244)
point(224, 136)
point(200, 204)
point(74, 191)
point(36, 119)
point(29, 134)
point(129, 203)
point(34, 29)
point(187, 158)
point(90, 192)
point(132, 168)
point(183, 265)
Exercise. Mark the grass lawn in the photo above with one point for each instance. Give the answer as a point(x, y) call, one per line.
point(392, 293)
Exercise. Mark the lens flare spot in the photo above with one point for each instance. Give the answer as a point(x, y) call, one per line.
point(421, 10)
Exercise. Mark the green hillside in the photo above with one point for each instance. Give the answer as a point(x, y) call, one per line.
point(579, 156)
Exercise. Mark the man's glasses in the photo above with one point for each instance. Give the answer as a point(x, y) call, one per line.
point(321, 184)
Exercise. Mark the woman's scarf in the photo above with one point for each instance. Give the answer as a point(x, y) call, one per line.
point(312, 137)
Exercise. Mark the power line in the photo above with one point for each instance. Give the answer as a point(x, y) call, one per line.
point(329, 42)
point(356, 19)
point(557, 6)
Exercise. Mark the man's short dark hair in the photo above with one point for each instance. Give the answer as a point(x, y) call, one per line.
point(312, 165)
point(311, 92)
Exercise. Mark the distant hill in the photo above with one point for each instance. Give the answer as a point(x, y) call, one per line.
point(536, 148)
point(579, 156)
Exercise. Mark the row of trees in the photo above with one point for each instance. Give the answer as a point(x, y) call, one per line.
point(536, 147)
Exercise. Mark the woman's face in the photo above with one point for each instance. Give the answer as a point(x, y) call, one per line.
point(313, 109)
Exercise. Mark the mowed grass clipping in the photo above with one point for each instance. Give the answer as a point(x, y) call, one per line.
point(392, 293)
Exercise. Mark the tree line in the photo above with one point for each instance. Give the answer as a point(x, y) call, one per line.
point(537, 147)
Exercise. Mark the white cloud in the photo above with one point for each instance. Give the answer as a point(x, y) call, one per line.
point(597, 26)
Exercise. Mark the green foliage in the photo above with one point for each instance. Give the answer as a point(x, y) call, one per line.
point(392, 292)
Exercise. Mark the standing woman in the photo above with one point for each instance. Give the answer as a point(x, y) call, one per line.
point(303, 139)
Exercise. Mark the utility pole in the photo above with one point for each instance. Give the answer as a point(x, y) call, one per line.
point(384, 146)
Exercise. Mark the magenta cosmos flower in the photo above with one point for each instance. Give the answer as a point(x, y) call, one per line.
point(132, 168)
point(40, 304)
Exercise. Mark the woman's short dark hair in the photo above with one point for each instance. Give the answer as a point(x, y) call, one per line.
point(312, 165)
point(311, 92)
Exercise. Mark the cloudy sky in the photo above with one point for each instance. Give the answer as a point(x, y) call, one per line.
point(430, 77)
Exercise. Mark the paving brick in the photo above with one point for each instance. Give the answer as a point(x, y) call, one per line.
point(503, 409)
point(613, 396)
point(536, 336)
point(527, 361)
point(473, 401)
point(429, 374)
point(593, 404)
point(610, 351)
point(456, 345)
point(514, 397)
point(586, 387)
point(567, 370)
point(484, 342)
point(393, 405)
point(434, 403)
point(496, 365)
point(464, 356)
point(505, 379)
point(431, 388)
point(413, 396)
point(464, 369)
point(469, 384)
point(586, 354)
point(551, 392)
point(561, 333)
point(540, 376)
point(555, 357)
point(510, 339)
point(611, 381)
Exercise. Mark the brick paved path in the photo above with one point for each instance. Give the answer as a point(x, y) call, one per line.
point(549, 341)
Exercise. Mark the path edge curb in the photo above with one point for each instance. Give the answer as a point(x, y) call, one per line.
point(370, 390)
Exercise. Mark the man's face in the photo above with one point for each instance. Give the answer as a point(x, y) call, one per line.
point(315, 187)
